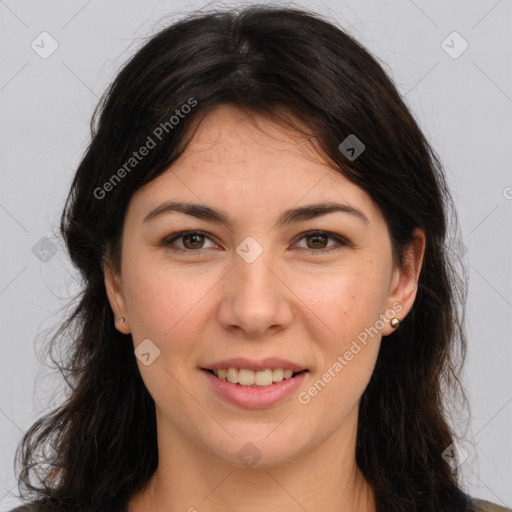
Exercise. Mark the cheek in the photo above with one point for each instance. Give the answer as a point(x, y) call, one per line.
point(349, 305)
point(167, 308)
point(163, 303)
point(346, 302)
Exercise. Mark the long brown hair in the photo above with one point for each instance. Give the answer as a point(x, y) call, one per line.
point(303, 70)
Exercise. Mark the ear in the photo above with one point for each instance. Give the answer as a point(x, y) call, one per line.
point(404, 283)
point(113, 286)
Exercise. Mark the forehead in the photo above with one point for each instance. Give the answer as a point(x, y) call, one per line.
point(244, 161)
point(227, 128)
point(236, 145)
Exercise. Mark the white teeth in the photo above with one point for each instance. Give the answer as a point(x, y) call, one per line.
point(246, 377)
point(287, 374)
point(232, 375)
point(263, 377)
point(277, 374)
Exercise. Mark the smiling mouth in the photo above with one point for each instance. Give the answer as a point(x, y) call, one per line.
point(257, 379)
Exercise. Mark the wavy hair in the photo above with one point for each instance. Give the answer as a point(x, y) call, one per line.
point(307, 73)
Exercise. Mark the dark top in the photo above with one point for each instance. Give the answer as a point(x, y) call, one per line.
point(478, 506)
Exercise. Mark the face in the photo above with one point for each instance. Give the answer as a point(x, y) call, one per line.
point(257, 285)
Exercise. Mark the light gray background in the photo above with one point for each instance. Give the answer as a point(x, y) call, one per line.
point(463, 104)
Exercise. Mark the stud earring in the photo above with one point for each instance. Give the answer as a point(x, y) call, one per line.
point(121, 320)
point(395, 322)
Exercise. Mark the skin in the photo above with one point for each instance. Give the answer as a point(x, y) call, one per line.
point(290, 302)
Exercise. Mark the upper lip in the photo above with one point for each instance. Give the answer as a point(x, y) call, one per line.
point(262, 364)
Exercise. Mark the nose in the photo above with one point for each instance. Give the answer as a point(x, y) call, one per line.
point(255, 297)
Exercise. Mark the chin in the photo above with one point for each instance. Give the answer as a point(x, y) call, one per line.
point(254, 449)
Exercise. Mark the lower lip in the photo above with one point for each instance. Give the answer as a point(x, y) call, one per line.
point(255, 398)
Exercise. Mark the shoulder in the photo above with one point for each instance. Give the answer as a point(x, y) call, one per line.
point(478, 506)
point(487, 506)
point(38, 506)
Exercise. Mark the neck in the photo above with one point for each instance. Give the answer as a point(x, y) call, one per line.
point(325, 479)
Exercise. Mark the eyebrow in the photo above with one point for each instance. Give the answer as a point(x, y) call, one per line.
point(291, 216)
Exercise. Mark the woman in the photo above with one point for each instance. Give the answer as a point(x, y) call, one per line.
point(269, 312)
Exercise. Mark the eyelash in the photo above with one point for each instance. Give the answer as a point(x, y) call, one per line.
point(176, 236)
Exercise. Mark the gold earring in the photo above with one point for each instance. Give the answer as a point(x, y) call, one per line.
point(395, 322)
point(121, 320)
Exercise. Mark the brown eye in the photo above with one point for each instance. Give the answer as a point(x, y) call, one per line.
point(191, 241)
point(316, 242)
